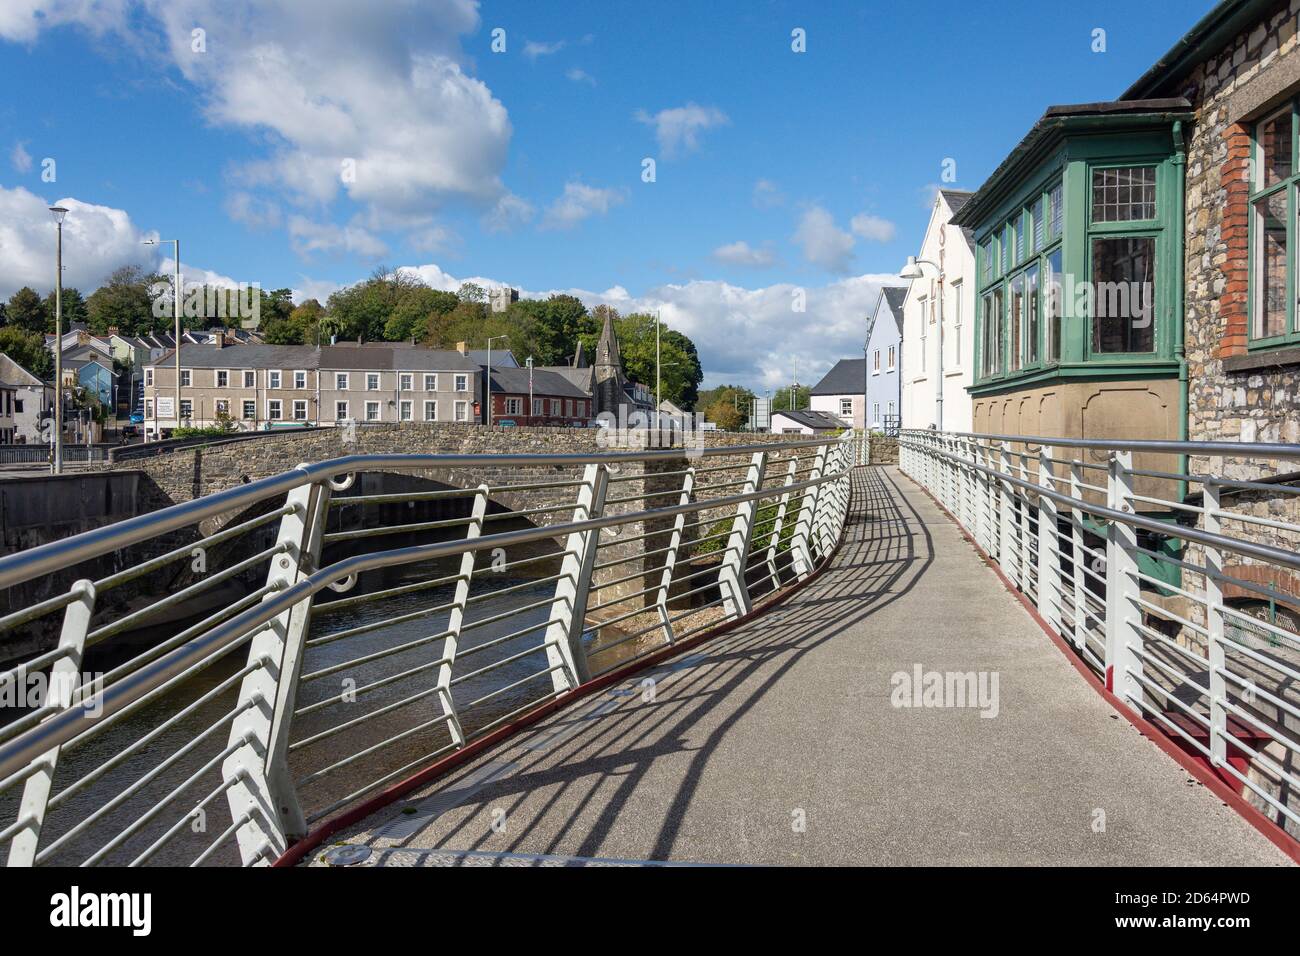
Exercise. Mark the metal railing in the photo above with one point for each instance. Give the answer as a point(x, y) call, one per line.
point(226, 673)
point(1171, 568)
point(42, 454)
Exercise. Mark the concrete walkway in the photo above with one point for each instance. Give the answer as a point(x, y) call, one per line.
point(779, 743)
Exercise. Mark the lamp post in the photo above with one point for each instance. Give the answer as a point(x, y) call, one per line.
point(59, 212)
point(176, 314)
point(531, 409)
point(487, 386)
point(912, 270)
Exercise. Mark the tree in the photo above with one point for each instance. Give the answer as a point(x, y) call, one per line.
point(302, 326)
point(781, 400)
point(25, 310)
point(125, 301)
point(363, 310)
point(73, 307)
point(28, 350)
point(560, 321)
point(725, 415)
point(736, 397)
point(680, 373)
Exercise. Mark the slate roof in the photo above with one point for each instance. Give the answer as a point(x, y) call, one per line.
point(847, 377)
point(340, 357)
point(514, 381)
point(811, 418)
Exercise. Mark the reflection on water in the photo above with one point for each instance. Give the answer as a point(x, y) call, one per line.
point(386, 720)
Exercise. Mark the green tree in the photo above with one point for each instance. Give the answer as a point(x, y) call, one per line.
point(725, 415)
point(679, 362)
point(125, 301)
point(736, 397)
point(28, 350)
point(363, 310)
point(73, 308)
point(25, 310)
point(781, 400)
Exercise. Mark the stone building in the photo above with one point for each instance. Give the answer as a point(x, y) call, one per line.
point(605, 383)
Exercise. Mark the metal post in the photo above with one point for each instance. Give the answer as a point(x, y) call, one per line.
point(1080, 562)
point(670, 559)
point(456, 617)
point(564, 650)
point(1049, 556)
point(1006, 516)
point(65, 679)
point(1123, 663)
point(262, 790)
point(799, 544)
point(1214, 629)
point(774, 544)
point(58, 350)
point(731, 575)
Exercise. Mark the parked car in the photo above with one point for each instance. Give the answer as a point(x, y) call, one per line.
point(137, 418)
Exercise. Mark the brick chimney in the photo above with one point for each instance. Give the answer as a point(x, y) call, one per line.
point(462, 348)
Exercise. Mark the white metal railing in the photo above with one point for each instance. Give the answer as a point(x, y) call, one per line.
point(200, 701)
point(1172, 568)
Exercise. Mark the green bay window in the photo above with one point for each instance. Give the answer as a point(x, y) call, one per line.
point(1272, 299)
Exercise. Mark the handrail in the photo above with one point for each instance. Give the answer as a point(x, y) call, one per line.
point(1232, 448)
point(44, 559)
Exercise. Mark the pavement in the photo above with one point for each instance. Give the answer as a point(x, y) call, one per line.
point(786, 741)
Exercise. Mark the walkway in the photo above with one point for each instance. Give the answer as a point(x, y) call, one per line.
point(777, 743)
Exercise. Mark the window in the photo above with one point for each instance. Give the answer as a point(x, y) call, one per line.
point(372, 411)
point(148, 408)
point(1015, 319)
point(372, 382)
point(1124, 194)
point(1033, 320)
point(1123, 276)
point(986, 261)
point(557, 406)
point(1054, 212)
point(1009, 247)
point(148, 376)
point(875, 362)
point(956, 322)
point(891, 411)
point(891, 359)
point(1055, 296)
point(340, 411)
point(991, 332)
point(405, 410)
point(875, 413)
point(462, 411)
point(300, 410)
point(1272, 310)
point(250, 379)
point(462, 383)
point(187, 409)
point(1022, 231)
point(341, 382)
point(222, 406)
point(513, 406)
point(299, 379)
point(274, 410)
point(223, 378)
point(250, 409)
point(537, 406)
point(925, 325)
point(1035, 214)
point(846, 407)
point(430, 383)
point(406, 382)
point(430, 411)
point(273, 379)
point(185, 377)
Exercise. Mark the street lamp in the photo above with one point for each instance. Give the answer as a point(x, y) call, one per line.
point(59, 213)
point(487, 386)
point(912, 270)
point(176, 313)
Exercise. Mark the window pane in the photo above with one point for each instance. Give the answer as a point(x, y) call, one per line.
point(1270, 265)
point(1033, 325)
point(1123, 275)
point(991, 332)
point(1124, 195)
point(1274, 135)
point(1016, 318)
point(1036, 224)
point(1054, 305)
point(1054, 201)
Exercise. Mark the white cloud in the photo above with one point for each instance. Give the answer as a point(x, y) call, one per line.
point(580, 76)
point(252, 211)
point(325, 82)
point(308, 238)
point(578, 202)
point(509, 212)
point(96, 240)
point(432, 239)
point(318, 289)
point(743, 254)
point(537, 48)
point(20, 158)
point(767, 194)
point(824, 243)
point(678, 130)
point(872, 228)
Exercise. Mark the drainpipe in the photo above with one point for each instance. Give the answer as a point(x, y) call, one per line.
point(1180, 297)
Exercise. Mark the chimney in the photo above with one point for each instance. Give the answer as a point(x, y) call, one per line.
point(219, 339)
point(112, 330)
point(462, 348)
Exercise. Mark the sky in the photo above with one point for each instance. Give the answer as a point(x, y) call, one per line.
point(303, 143)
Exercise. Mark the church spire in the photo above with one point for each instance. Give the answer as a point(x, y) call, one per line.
point(607, 354)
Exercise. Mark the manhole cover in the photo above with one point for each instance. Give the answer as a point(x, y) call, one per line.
point(346, 855)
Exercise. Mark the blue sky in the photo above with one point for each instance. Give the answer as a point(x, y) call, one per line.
point(525, 166)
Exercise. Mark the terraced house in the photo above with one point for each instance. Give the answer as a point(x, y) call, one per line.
point(277, 386)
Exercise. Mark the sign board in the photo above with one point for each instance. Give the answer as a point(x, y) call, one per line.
point(761, 420)
point(166, 407)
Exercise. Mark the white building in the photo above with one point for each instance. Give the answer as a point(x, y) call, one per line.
point(30, 401)
point(950, 248)
point(805, 422)
point(841, 392)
